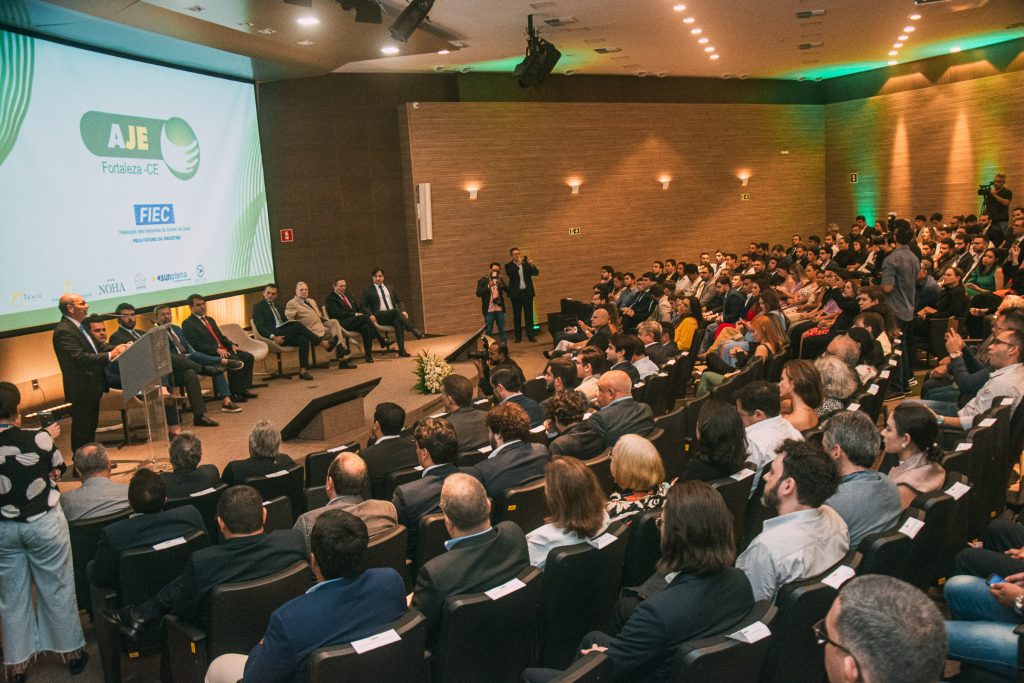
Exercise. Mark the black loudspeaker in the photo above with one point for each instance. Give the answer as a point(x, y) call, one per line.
point(539, 62)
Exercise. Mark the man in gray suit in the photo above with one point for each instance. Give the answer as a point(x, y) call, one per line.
point(620, 413)
point(98, 495)
point(346, 481)
point(469, 423)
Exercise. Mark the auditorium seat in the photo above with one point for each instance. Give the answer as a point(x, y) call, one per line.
point(643, 549)
point(315, 497)
point(206, 503)
point(885, 552)
point(594, 667)
point(525, 505)
point(239, 614)
point(401, 660)
point(601, 466)
point(277, 349)
point(318, 462)
point(279, 514)
point(536, 388)
point(85, 536)
point(285, 482)
point(670, 443)
point(735, 491)
point(720, 659)
point(389, 550)
point(396, 478)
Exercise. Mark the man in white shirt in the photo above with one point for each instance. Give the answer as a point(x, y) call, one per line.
point(687, 284)
point(807, 537)
point(1004, 354)
point(760, 410)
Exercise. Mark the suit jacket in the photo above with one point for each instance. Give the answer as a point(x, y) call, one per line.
point(183, 483)
point(123, 336)
point(237, 471)
point(370, 301)
point(96, 497)
point(385, 457)
point(421, 497)
point(643, 306)
point(628, 368)
point(331, 613)
point(529, 271)
point(693, 606)
point(601, 337)
point(470, 426)
point(231, 561)
point(337, 308)
point(180, 334)
point(532, 408)
point(656, 352)
point(307, 313)
point(378, 515)
point(263, 318)
point(483, 290)
point(199, 337)
point(734, 306)
point(135, 532)
point(81, 366)
point(473, 565)
point(577, 441)
point(627, 416)
point(516, 464)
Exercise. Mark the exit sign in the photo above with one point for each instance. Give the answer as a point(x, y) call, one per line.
point(287, 235)
point(574, 231)
point(854, 177)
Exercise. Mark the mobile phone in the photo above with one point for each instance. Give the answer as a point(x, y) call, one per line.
point(994, 579)
point(46, 418)
point(952, 324)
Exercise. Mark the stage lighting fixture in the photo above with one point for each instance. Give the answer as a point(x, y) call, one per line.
point(367, 11)
point(410, 19)
point(541, 57)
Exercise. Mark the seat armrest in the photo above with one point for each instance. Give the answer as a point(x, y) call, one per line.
point(187, 650)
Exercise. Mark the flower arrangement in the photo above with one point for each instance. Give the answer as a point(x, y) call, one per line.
point(430, 373)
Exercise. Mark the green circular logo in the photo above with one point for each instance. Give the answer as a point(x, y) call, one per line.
point(180, 148)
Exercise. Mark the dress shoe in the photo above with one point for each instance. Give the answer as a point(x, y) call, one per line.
point(368, 358)
point(345, 365)
point(404, 354)
point(386, 342)
point(127, 620)
point(229, 407)
point(238, 398)
point(77, 665)
point(304, 374)
point(213, 370)
point(533, 339)
point(203, 421)
point(233, 364)
point(331, 343)
point(518, 340)
point(416, 333)
point(249, 394)
point(341, 352)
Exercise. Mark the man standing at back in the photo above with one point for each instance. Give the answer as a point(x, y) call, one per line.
point(521, 271)
point(899, 280)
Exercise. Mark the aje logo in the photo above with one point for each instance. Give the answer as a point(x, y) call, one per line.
point(134, 137)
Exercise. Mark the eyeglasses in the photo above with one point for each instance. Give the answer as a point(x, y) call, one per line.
point(1002, 341)
point(822, 638)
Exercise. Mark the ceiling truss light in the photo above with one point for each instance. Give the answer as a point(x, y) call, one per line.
point(444, 52)
point(954, 49)
point(696, 31)
point(367, 11)
point(714, 56)
point(307, 21)
point(389, 50)
point(893, 53)
point(410, 19)
point(909, 29)
point(541, 57)
point(689, 20)
point(709, 49)
point(704, 41)
point(893, 62)
point(897, 45)
point(903, 37)
point(915, 17)
point(679, 8)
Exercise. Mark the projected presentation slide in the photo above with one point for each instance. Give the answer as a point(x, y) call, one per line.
point(123, 181)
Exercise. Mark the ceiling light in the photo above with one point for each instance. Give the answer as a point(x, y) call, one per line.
point(444, 52)
point(893, 53)
point(709, 49)
point(696, 31)
point(893, 62)
point(915, 17)
point(903, 37)
point(267, 31)
point(679, 8)
point(410, 19)
point(704, 41)
point(954, 49)
point(897, 45)
point(541, 58)
point(714, 56)
point(307, 21)
point(389, 50)
point(909, 29)
point(689, 20)
point(305, 42)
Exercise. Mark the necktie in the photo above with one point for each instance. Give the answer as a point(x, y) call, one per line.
point(179, 347)
point(384, 298)
point(277, 314)
point(88, 338)
point(212, 333)
point(345, 299)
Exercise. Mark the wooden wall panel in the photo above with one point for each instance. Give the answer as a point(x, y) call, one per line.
point(522, 156)
point(922, 151)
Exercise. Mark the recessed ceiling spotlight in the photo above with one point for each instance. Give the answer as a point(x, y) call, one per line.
point(307, 21)
point(955, 49)
point(801, 78)
point(696, 31)
point(897, 45)
point(726, 76)
point(689, 20)
point(389, 50)
point(569, 72)
point(915, 17)
point(893, 62)
point(709, 49)
point(909, 29)
point(893, 53)
point(679, 8)
point(444, 52)
point(903, 37)
point(305, 42)
point(661, 74)
point(817, 79)
point(743, 77)
point(704, 41)
point(267, 31)
point(714, 56)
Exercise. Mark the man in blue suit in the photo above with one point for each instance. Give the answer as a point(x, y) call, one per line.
point(512, 462)
point(508, 388)
point(347, 604)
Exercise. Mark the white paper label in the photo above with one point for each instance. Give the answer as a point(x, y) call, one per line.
point(684, 354)
point(603, 540)
point(1008, 401)
point(338, 449)
point(203, 492)
point(437, 415)
point(586, 416)
point(841, 575)
point(504, 589)
point(893, 362)
point(873, 389)
point(279, 473)
point(911, 527)
point(987, 422)
point(957, 490)
point(963, 446)
point(375, 641)
point(418, 468)
point(884, 374)
point(853, 406)
point(638, 385)
point(898, 352)
point(484, 449)
point(180, 540)
point(751, 634)
point(742, 474)
point(537, 430)
point(670, 362)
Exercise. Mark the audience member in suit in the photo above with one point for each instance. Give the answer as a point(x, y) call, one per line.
point(521, 271)
point(497, 359)
point(304, 310)
point(620, 413)
point(98, 495)
point(695, 592)
point(150, 524)
point(478, 557)
point(513, 461)
point(205, 336)
point(339, 307)
point(565, 412)
point(347, 604)
point(620, 356)
point(560, 374)
point(437, 448)
point(649, 333)
point(575, 502)
point(469, 423)
point(244, 553)
point(808, 536)
point(82, 367)
point(721, 446)
point(389, 450)
point(590, 365)
point(382, 303)
point(271, 323)
point(188, 476)
point(346, 481)
point(507, 388)
point(212, 365)
point(642, 306)
point(264, 456)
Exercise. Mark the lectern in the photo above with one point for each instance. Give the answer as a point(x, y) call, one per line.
point(143, 367)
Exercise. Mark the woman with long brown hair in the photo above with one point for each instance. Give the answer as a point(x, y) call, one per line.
point(576, 506)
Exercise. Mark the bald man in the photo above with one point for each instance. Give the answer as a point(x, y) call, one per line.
point(619, 413)
point(82, 366)
point(346, 482)
point(304, 310)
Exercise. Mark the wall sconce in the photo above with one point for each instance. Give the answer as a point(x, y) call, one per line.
point(575, 185)
point(472, 190)
point(744, 176)
point(743, 182)
point(665, 181)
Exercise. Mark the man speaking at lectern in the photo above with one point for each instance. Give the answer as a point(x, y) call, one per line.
point(82, 368)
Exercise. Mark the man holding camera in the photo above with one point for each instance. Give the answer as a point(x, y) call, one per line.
point(492, 290)
point(521, 271)
point(997, 203)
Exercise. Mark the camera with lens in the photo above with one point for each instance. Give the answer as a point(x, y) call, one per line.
point(482, 353)
point(983, 190)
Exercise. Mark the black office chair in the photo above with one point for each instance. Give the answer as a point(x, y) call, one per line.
point(285, 482)
point(206, 504)
point(85, 536)
point(471, 626)
point(279, 514)
point(399, 661)
point(239, 614)
point(595, 667)
point(525, 505)
point(388, 549)
point(581, 584)
point(643, 549)
point(720, 659)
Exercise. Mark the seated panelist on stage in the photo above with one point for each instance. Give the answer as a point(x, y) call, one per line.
point(346, 311)
point(382, 303)
point(205, 336)
point(271, 323)
point(304, 310)
point(183, 355)
point(125, 332)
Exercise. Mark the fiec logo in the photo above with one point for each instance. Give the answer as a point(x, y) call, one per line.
point(135, 137)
